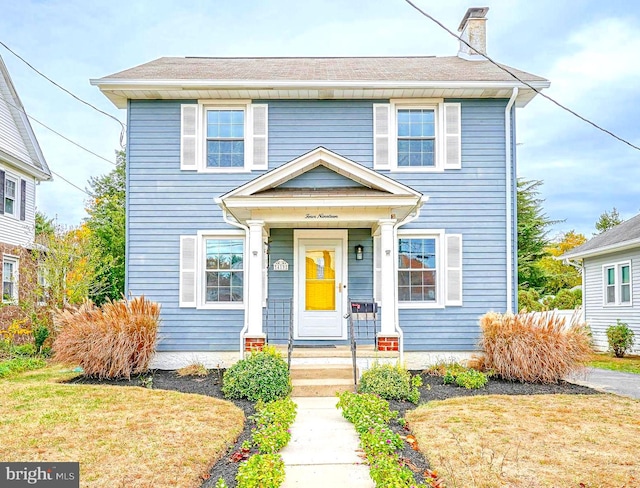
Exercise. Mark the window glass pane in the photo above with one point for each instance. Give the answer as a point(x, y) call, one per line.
point(417, 273)
point(611, 294)
point(10, 189)
point(223, 276)
point(624, 271)
point(625, 293)
point(8, 206)
point(611, 276)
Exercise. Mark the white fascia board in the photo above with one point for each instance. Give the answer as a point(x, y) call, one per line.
point(311, 202)
point(133, 84)
point(24, 167)
point(620, 246)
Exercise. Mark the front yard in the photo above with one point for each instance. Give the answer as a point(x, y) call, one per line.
point(122, 437)
point(531, 441)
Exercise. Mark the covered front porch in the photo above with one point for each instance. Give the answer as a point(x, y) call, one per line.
point(321, 252)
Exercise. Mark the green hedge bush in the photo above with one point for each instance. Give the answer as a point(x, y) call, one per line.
point(620, 338)
point(390, 382)
point(262, 375)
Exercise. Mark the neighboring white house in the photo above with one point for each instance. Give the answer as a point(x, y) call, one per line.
point(611, 279)
point(22, 167)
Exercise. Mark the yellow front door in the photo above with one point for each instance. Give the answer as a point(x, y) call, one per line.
point(321, 288)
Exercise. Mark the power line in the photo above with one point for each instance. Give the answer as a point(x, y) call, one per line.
point(123, 127)
point(72, 184)
point(56, 132)
point(563, 107)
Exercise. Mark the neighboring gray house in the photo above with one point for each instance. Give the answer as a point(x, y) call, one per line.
point(251, 180)
point(611, 279)
point(22, 167)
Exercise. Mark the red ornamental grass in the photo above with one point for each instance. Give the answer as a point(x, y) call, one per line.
point(534, 347)
point(112, 341)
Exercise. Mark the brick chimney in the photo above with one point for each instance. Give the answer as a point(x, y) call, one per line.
point(473, 30)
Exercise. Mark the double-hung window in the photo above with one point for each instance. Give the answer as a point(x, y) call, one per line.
point(617, 284)
point(429, 268)
point(225, 138)
point(9, 279)
point(10, 196)
point(224, 270)
point(417, 269)
point(212, 270)
point(417, 135)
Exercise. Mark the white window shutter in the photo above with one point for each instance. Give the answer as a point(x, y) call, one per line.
point(377, 268)
point(381, 135)
point(188, 137)
point(260, 131)
point(453, 258)
point(452, 131)
point(188, 256)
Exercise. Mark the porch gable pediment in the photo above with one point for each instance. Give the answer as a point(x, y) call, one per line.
point(321, 188)
point(347, 174)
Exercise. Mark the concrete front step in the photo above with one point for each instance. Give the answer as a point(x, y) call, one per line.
point(321, 371)
point(320, 387)
point(336, 352)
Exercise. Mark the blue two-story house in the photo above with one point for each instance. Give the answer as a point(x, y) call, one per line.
point(319, 180)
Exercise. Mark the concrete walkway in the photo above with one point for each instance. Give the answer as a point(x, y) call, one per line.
point(322, 449)
point(624, 384)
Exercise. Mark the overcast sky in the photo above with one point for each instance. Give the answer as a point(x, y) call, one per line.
point(589, 50)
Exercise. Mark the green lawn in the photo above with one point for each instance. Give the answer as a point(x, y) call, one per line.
point(627, 364)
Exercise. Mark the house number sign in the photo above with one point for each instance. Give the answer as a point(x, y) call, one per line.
point(281, 265)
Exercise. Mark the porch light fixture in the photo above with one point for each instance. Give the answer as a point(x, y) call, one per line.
point(359, 252)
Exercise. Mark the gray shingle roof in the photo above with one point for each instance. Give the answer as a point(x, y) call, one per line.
point(417, 68)
point(619, 236)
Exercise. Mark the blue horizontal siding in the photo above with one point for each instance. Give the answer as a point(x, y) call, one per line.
point(164, 203)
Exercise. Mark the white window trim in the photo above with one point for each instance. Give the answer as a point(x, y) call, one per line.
point(617, 266)
point(15, 260)
point(201, 275)
point(16, 198)
point(437, 105)
point(439, 236)
point(201, 133)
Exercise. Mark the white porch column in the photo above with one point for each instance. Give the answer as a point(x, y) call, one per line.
point(253, 276)
point(388, 278)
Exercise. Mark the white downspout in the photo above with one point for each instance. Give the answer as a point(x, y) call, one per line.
point(410, 218)
point(508, 183)
point(235, 223)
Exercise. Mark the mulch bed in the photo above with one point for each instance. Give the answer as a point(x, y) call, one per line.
point(226, 468)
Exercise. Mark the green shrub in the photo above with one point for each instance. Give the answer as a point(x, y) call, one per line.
point(387, 472)
point(471, 379)
point(273, 420)
point(390, 382)
point(262, 375)
point(19, 365)
point(365, 410)
point(261, 471)
point(380, 439)
point(24, 350)
point(529, 301)
point(620, 338)
point(40, 335)
point(566, 300)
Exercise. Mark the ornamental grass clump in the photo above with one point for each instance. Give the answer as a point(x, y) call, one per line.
point(536, 348)
point(112, 341)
